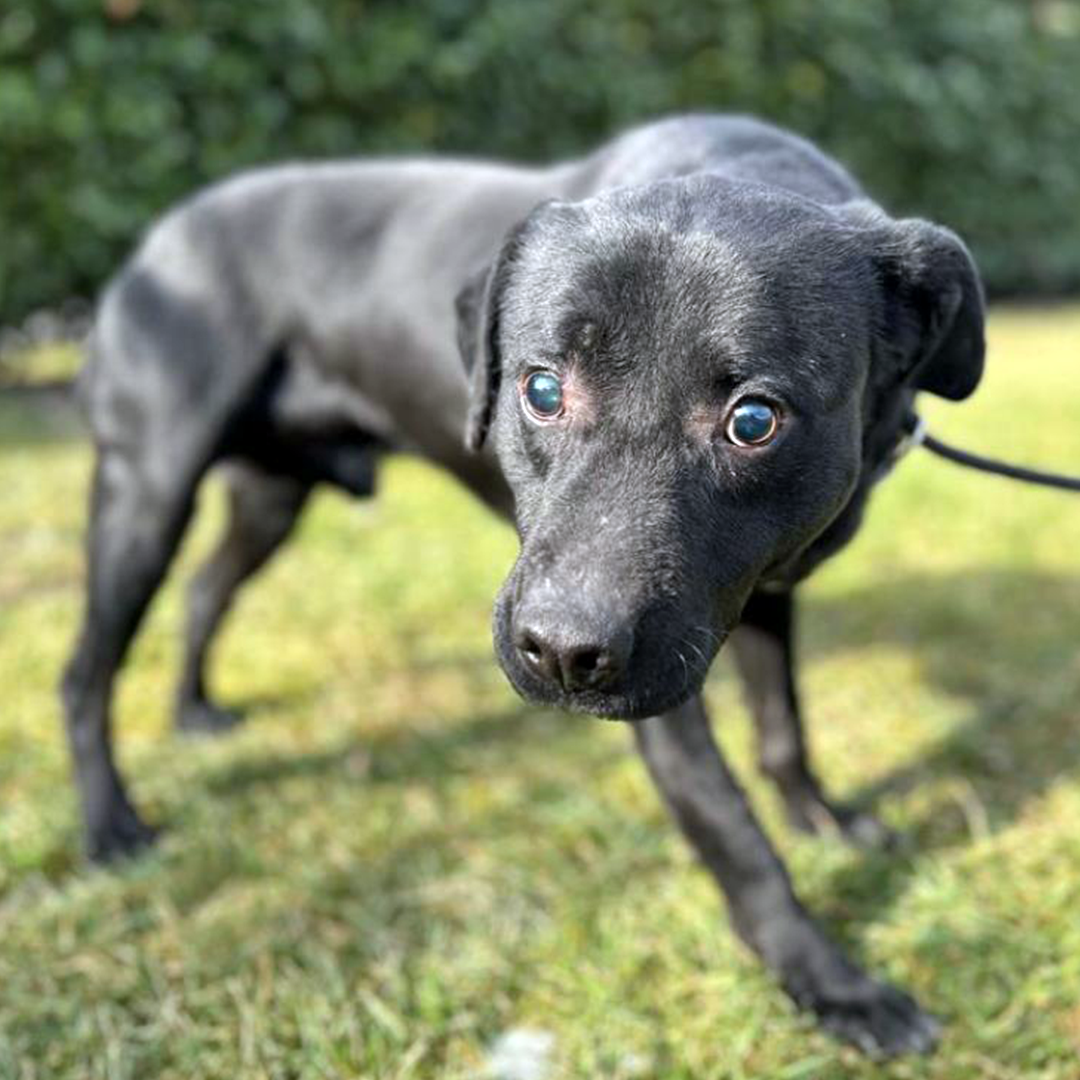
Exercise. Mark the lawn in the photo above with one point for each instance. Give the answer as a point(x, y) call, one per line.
point(395, 860)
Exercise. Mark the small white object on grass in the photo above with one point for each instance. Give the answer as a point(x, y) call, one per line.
point(521, 1054)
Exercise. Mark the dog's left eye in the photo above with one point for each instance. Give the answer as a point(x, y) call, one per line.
point(543, 395)
point(753, 422)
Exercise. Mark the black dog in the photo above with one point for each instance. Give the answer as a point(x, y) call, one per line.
point(689, 356)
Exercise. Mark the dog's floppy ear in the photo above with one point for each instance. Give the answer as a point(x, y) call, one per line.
point(933, 310)
point(477, 307)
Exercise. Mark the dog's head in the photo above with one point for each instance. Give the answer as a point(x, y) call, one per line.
point(689, 387)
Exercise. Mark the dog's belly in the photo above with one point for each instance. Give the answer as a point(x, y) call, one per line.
point(311, 420)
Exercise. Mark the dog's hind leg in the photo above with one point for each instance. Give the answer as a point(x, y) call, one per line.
point(167, 374)
point(262, 511)
point(764, 654)
point(135, 526)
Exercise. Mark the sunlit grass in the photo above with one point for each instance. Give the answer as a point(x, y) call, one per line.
point(42, 363)
point(395, 859)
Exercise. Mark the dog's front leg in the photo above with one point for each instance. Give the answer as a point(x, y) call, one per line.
point(764, 649)
point(709, 805)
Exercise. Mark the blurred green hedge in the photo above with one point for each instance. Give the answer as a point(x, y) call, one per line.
point(967, 111)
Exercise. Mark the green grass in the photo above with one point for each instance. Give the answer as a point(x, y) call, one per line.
point(396, 860)
point(44, 363)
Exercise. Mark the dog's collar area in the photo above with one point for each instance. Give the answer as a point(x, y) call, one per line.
point(915, 434)
point(912, 434)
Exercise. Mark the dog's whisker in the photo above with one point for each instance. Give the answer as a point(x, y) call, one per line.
point(686, 669)
point(711, 636)
point(704, 658)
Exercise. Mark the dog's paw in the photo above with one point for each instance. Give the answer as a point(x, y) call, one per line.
point(122, 834)
point(856, 827)
point(882, 1022)
point(879, 1019)
point(205, 718)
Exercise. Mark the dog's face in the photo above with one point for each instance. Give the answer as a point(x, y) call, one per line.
point(689, 387)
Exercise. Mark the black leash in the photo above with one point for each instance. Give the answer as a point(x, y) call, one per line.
point(917, 435)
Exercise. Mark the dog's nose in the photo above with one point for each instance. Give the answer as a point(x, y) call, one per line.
point(572, 656)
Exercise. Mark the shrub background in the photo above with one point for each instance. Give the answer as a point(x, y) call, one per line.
point(966, 111)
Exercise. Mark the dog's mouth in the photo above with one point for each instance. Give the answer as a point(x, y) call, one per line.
point(660, 676)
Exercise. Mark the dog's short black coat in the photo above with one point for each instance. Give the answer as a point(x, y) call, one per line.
point(296, 322)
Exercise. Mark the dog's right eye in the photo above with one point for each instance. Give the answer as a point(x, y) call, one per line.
point(542, 393)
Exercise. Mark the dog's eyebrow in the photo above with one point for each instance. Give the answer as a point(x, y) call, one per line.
point(578, 333)
point(586, 335)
